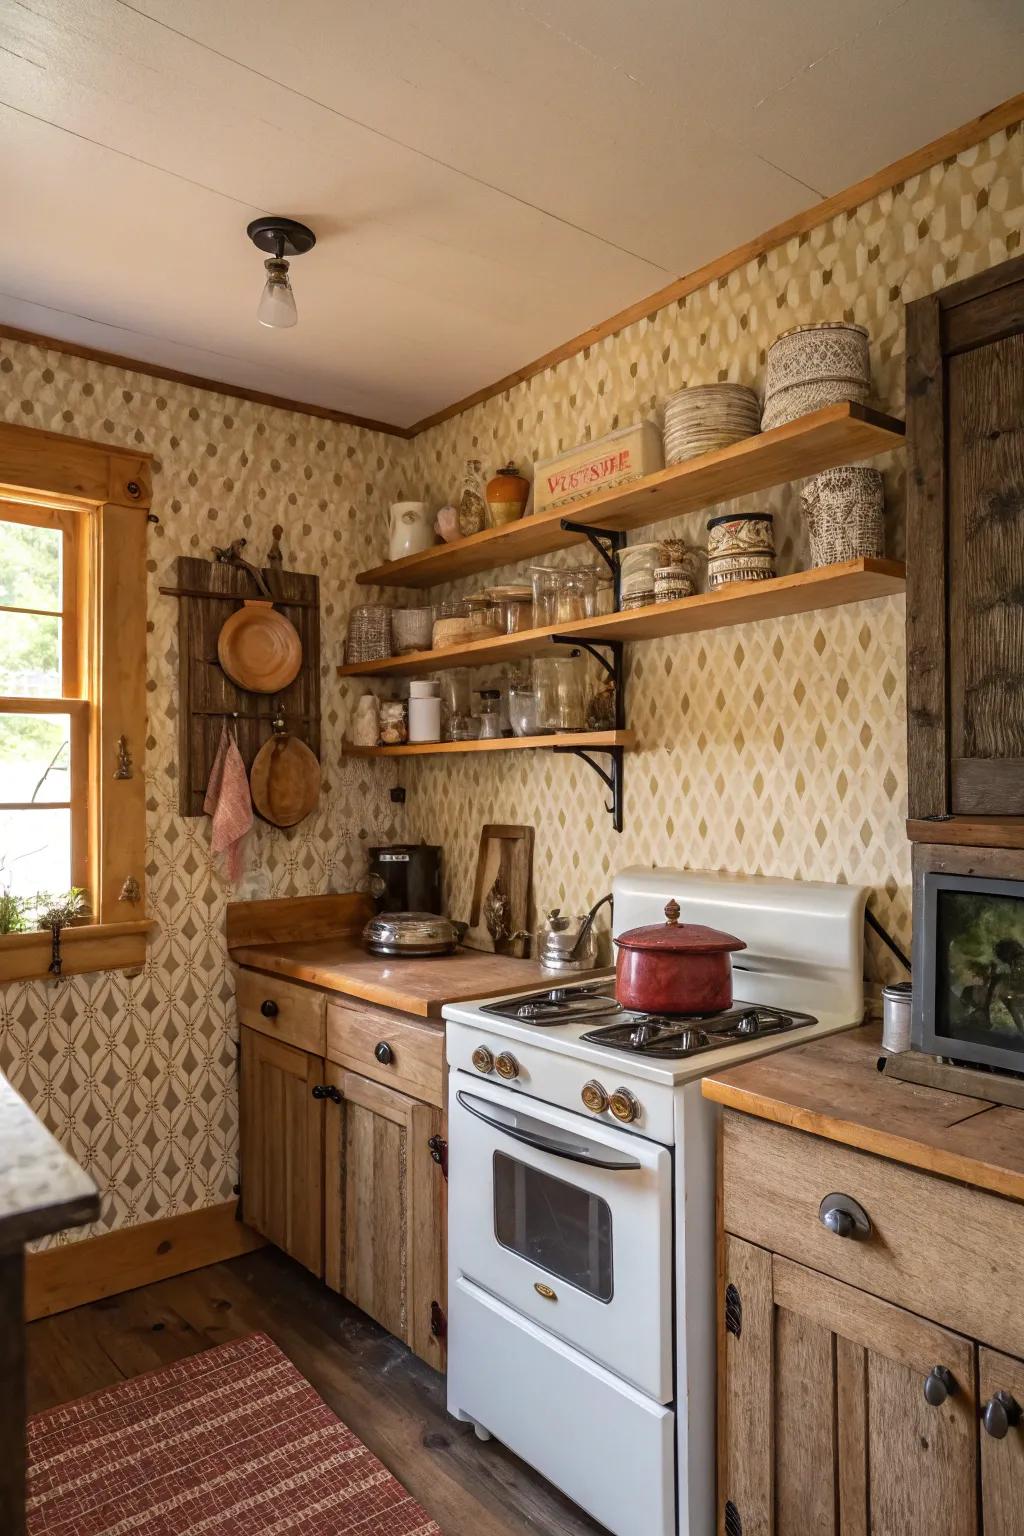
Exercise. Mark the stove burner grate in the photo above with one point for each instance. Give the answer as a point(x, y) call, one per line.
point(557, 1005)
point(670, 1038)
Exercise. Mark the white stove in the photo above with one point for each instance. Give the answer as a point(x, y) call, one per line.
point(581, 1196)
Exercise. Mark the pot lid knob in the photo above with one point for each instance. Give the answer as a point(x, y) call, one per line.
point(672, 912)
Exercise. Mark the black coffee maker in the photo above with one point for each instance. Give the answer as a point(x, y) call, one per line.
point(406, 877)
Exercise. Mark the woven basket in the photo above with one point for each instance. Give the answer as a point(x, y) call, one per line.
point(812, 366)
point(845, 510)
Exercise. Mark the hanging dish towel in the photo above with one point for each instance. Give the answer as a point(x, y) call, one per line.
point(229, 803)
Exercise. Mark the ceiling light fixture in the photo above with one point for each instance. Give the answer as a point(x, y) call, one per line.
point(281, 237)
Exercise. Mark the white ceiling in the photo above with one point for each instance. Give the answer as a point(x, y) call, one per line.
point(486, 177)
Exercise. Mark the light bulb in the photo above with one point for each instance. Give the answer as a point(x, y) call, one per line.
point(277, 302)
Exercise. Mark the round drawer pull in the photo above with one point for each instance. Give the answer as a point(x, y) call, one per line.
point(483, 1059)
point(842, 1215)
point(624, 1106)
point(383, 1052)
point(506, 1066)
point(1000, 1414)
point(939, 1384)
point(269, 1008)
point(594, 1097)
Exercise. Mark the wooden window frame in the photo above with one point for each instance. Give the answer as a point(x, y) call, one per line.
point(100, 495)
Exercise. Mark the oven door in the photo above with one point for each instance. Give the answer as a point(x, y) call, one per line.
point(569, 1222)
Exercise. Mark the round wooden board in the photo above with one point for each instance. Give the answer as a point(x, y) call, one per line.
point(259, 648)
point(285, 781)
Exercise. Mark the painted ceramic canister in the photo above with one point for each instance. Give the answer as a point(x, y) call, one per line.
point(472, 506)
point(740, 548)
point(506, 495)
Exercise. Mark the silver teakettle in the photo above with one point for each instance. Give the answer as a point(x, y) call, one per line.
point(568, 943)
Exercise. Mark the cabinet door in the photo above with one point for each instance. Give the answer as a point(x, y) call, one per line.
point(385, 1210)
point(282, 1130)
point(1002, 1443)
point(825, 1424)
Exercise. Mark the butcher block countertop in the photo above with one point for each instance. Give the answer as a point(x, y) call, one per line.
point(833, 1088)
point(418, 986)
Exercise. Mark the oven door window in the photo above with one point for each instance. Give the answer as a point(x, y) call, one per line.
point(558, 1226)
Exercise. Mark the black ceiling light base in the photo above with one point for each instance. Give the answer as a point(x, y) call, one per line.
point(281, 237)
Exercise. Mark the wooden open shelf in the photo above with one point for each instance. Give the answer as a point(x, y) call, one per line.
point(592, 739)
point(827, 586)
point(837, 434)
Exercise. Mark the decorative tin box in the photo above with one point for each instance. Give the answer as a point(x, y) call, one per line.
point(629, 453)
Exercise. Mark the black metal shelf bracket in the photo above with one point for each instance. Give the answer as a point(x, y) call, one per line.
point(612, 777)
point(607, 542)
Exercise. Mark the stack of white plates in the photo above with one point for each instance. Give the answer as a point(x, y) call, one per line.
point(707, 417)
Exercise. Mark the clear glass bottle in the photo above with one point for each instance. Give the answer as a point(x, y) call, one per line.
point(560, 684)
point(489, 714)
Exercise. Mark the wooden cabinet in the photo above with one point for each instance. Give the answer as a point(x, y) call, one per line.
point(384, 1201)
point(345, 1173)
point(282, 1146)
point(965, 550)
point(841, 1412)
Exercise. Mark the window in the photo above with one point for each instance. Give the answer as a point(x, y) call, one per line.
point(44, 718)
point(72, 685)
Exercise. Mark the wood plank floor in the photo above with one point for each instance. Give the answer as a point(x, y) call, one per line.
point(392, 1401)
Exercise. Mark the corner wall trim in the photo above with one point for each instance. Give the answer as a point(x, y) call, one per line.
point(75, 1273)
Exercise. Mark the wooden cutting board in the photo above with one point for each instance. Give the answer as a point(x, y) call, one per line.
point(285, 781)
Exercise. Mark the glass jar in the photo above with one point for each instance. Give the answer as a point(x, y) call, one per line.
point(455, 701)
point(575, 595)
point(544, 581)
point(560, 685)
point(522, 707)
point(514, 606)
point(489, 714)
point(394, 729)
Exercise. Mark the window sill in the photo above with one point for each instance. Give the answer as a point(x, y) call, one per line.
point(88, 947)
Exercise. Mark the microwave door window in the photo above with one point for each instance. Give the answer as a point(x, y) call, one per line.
point(560, 1227)
point(979, 992)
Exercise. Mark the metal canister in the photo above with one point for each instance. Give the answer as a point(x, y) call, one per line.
point(896, 1000)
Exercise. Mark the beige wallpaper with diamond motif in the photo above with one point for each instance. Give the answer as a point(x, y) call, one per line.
point(137, 1075)
point(777, 748)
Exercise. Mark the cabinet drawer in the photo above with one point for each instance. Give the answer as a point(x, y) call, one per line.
point(281, 1010)
point(414, 1060)
point(940, 1248)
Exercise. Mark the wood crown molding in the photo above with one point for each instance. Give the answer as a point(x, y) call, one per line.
point(76, 1273)
point(1006, 115)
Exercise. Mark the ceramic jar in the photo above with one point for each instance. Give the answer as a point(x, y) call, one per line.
point(366, 722)
point(812, 366)
point(845, 511)
point(637, 565)
point(411, 529)
point(472, 506)
point(506, 496)
point(425, 710)
point(741, 547)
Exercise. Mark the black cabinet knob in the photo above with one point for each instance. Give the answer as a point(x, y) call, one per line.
point(839, 1222)
point(939, 1384)
point(383, 1052)
point(269, 1008)
point(842, 1215)
point(1000, 1414)
point(323, 1091)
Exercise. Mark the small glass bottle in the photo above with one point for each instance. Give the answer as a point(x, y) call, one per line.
point(490, 714)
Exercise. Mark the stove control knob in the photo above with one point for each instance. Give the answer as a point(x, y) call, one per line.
point(482, 1059)
point(594, 1097)
point(624, 1106)
point(506, 1066)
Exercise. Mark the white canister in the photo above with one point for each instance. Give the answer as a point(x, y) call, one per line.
point(424, 718)
point(412, 529)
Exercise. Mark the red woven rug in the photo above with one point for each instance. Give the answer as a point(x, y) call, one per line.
point(230, 1442)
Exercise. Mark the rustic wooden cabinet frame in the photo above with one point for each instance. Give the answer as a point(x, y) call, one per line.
point(101, 495)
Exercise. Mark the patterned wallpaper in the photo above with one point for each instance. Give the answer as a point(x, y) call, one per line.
point(137, 1075)
point(777, 748)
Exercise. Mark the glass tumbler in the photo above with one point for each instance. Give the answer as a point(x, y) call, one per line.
point(560, 690)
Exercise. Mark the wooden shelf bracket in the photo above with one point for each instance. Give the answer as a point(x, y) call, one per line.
point(614, 666)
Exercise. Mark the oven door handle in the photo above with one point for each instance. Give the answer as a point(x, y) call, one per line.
point(534, 1133)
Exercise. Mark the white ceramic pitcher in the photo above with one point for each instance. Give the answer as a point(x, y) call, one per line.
point(411, 527)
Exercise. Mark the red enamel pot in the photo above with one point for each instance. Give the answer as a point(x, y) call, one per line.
point(675, 967)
